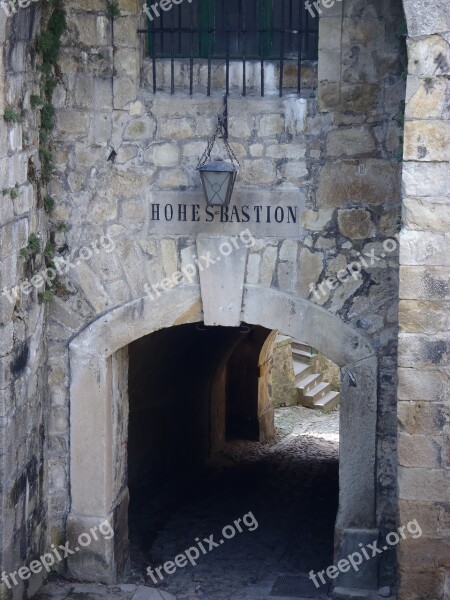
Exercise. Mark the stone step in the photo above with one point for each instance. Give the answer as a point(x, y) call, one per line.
point(301, 346)
point(316, 393)
point(301, 355)
point(328, 402)
point(308, 383)
point(301, 370)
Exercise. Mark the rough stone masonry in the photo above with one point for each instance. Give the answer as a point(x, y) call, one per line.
point(332, 154)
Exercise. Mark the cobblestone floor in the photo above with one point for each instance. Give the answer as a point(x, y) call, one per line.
point(290, 485)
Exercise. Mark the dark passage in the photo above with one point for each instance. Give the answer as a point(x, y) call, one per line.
point(284, 491)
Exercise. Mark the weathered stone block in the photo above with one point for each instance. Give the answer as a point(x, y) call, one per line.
point(163, 155)
point(126, 63)
point(426, 214)
point(373, 182)
point(426, 17)
point(222, 284)
point(427, 141)
point(414, 584)
point(100, 128)
point(268, 263)
point(256, 150)
point(124, 90)
point(428, 553)
point(134, 214)
point(330, 33)
point(427, 99)
point(316, 220)
point(356, 223)
point(423, 417)
point(292, 151)
point(169, 256)
point(432, 283)
point(423, 385)
point(419, 451)
point(140, 129)
point(422, 350)
point(91, 285)
point(6, 208)
point(360, 97)
point(355, 141)
point(310, 268)
point(294, 172)
point(93, 29)
point(258, 172)
point(14, 236)
point(87, 157)
point(295, 115)
point(173, 179)
point(270, 125)
point(253, 263)
point(423, 317)
point(126, 153)
point(424, 248)
point(289, 250)
point(328, 94)
point(422, 484)
point(93, 92)
point(367, 575)
point(427, 514)
point(125, 32)
point(178, 129)
point(329, 65)
point(427, 56)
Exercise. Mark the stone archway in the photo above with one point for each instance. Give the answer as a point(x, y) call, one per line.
point(98, 485)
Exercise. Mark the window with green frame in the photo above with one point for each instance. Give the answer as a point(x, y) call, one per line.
point(251, 29)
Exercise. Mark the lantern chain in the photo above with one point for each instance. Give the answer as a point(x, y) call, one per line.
point(219, 132)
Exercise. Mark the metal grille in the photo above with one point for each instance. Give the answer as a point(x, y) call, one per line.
point(297, 586)
point(232, 30)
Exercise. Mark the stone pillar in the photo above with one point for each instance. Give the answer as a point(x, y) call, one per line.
point(356, 518)
point(424, 341)
point(98, 464)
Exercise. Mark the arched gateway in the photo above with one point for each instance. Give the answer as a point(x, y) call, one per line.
point(99, 366)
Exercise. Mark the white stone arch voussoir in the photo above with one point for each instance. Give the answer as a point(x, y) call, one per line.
point(94, 493)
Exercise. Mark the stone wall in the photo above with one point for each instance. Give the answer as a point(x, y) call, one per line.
point(283, 378)
point(423, 407)
point(329, 371)
point(333, 154)
point(122, 151)
point(23, 484)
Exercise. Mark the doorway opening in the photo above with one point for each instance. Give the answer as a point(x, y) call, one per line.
point(207, 447)
point(99, 367)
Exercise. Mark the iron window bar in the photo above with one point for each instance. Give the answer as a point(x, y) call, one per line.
point(302, 40)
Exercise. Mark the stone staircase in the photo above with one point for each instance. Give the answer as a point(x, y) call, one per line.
point(312, 391)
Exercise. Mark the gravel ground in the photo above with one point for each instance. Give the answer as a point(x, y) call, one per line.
point(290, 487)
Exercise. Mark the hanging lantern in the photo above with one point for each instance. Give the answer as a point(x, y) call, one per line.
point(218, 179)
point(218, 176)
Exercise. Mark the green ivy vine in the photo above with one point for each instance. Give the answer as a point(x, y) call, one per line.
point(48, 44)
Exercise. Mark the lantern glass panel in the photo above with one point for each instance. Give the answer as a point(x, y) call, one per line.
point(216, 186)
